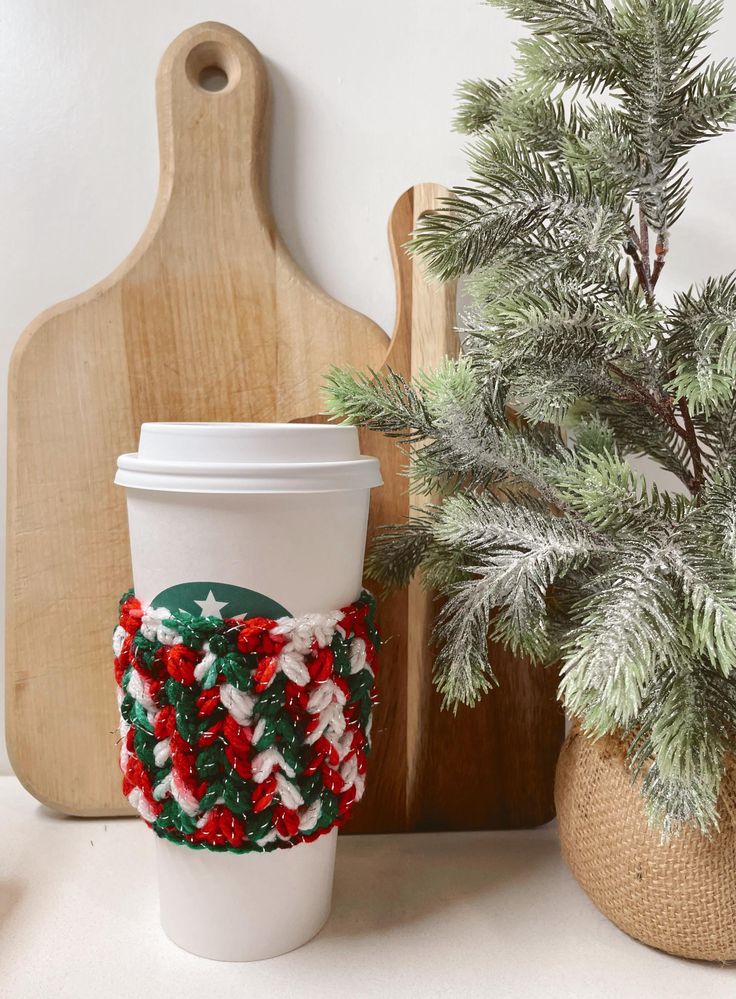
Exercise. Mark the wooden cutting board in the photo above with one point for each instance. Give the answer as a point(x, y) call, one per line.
point(490, 767)
point(210, 319)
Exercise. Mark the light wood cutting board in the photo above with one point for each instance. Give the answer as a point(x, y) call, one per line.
point(208, 319)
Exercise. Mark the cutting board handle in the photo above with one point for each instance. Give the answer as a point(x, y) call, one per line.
point(212, 99)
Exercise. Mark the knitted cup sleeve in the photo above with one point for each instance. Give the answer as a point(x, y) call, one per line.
point(244, 735)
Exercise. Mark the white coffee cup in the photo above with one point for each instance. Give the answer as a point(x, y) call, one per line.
point(280, 510)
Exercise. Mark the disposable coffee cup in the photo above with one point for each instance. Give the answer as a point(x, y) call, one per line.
point(272, 517)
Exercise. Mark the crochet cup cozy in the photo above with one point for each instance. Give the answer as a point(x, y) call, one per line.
point(244, 735)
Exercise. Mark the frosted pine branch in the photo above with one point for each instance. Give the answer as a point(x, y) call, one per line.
point(543, 536)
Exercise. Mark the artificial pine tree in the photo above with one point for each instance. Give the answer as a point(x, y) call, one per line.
point(547, 540)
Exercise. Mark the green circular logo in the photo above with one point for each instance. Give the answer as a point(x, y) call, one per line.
point(221, 600)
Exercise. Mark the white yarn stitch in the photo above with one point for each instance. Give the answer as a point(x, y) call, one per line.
point(183, 796)
point(138, 801)
point(162, 752)
point(359, 785)
point(204, 819)
point(309, 816)
point(302, 631)
point(151, 621)
point(203, 666)
point(163, 789)
point(239, 703)
point(327, 693)
point(138, 690)
point(332, 719)
point(349, 771)
point(164, 634)
point(123, 728)
point(291, 663)
point(343, 745)
point(357, 656)
point(266, 762)
point(259, 730)
point(290, 795)
point(118, 637)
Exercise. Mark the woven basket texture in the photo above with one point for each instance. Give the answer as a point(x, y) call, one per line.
point(678, 896)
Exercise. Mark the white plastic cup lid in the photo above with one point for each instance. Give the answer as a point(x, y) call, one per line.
point(248, 458)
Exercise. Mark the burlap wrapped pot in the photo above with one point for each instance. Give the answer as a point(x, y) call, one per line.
point(678, 896)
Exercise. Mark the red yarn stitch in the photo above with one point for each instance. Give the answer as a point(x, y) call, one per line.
point(332, 778)
point(184, 765)
point(207, 702)
point(265, 672)
point(239, 736)
point(239, 763)
point(209, 735)
point(232, 828)
point(164, 724)
point(254, 637)
point(286, 821)
point(296, 699)
point(123, 661)
point(130, 615)
point(180, 662)
point(320, 667)
point(264, 793)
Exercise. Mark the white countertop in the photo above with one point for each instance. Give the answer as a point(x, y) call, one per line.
point(456, 914)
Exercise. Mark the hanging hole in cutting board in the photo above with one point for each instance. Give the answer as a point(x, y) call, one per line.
point(212, 79)
point(212, 67)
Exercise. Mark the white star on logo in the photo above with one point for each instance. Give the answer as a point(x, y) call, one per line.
point(210, 606)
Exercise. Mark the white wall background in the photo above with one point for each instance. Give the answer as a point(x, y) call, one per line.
point(362, 103)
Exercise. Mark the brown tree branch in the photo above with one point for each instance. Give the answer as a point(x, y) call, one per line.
point(696, 455)
point(665, 410)
point(644, 281)
point(662, 406)
point(644, 245)
point(637, 248)
point(660, 252)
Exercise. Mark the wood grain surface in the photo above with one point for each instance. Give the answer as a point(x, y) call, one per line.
point(490, 767)
point(208, 319)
